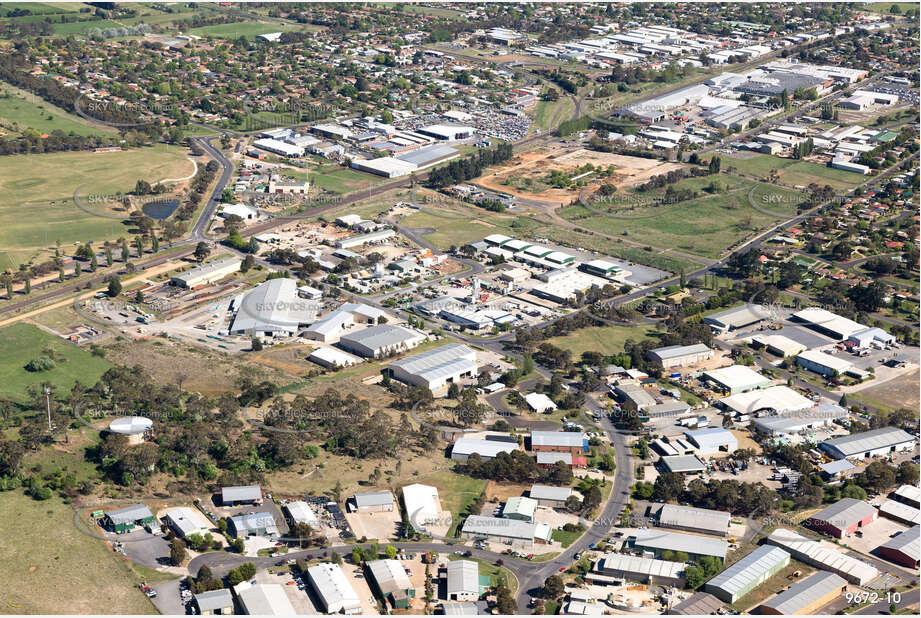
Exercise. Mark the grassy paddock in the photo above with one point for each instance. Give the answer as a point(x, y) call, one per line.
point(50, 567)
point(25, 112)
point(21, 343)
point(605, 339)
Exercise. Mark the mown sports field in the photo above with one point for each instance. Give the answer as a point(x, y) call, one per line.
point(37, 195)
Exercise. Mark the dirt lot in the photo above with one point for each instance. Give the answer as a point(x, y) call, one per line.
point(203, 371)
point(358, 582)
point(534, 166)
point(381, 526)
point(900, 392)
point(503, 491)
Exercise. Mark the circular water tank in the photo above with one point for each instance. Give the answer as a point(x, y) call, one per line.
point(130, 425)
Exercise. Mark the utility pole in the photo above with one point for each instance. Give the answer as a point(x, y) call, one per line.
point(48, 406)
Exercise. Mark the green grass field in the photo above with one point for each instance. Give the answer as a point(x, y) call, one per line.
point(40, 8)
point(605, 339)
point(548, 114)
point(21, 343)
point(18, 112)
point(82, 27)
point(705, 226)
point(29, 222)
point(50, 567)
point(793, 172)
point(248, 29)
point(466, 224)
point(455, 491)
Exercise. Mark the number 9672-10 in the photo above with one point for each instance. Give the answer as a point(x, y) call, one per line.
point(872, 597)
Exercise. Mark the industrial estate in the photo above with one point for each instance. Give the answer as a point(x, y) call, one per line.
point(459, 308)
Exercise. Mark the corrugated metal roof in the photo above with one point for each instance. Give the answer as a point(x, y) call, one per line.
point(484, 448)
point(901, 512)
point(823, 556)
point(640, 566)
point(750, 571)
point(331, 585)
point(693, 517)
point(389, 575)
point(844, 512)
point(214, 599)
point(570, 439)
point(438, 363)
point(374, 498)
point(381, 336)
point(676, 351)
point(802, 594)
point(546, 492)
point(497, 526)
point(673, 541)
point(463, 577)
point(869, 440)
point(241, 493)
point(907, 543)
point(129, 514)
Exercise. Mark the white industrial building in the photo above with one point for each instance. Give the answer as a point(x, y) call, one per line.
point(828, 323)
point(263, 599)
point(208, 273)
point(448, 132)
point(436, 368)
point(797, 421)
point(680, 355)
point(864, 99)
point(463, 580)
point(646, 570)
point(381, 340)
point(332, 358)
point(736, 379)
point(515, 531)
point(548, 495)
point(713, 440)
point(422, 505)
point(872, 443)
point(332, 589)
point(371, 238)
point(463, 448)
point(778, 398)
point(659, 542)
point(184, 522)
point(824, 364)
point(279, 147)
point(539, 402)
point(778, 345)
point(693, 519)
point(331, 326)
point(272, 308)
point(737, 317)
point(301, 513)
point(388, 167)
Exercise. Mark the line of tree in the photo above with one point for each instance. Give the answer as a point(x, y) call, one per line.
point(461, 170)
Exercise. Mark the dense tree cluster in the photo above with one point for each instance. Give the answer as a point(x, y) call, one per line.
point(461, 170)
point(515, 467)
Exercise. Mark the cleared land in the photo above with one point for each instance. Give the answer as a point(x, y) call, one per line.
point(21, 343)
point(605, 339)
point(248, 29)
point(793, 172)
point(706, 225)
point(36, 194)
point(525, 176)
point(901, 392)
point(50, 567)
point(19, 112)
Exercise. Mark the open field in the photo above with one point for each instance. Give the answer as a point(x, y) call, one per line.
point(52, 568)
point(605, 339)
point(29, 221)
point(19, 111)
point(705, 226)
point(793, 172)
point(21, 343)
point(473, 224)
point(548, 114)
point(82, 27)
point(525, 176)
point(900, 392)
point(455, 491)
point(41, 8)
point(248, 29)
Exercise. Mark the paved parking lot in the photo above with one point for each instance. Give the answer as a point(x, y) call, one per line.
point(299, 598)
point(874, 535)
